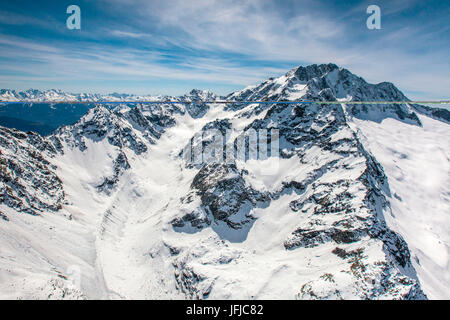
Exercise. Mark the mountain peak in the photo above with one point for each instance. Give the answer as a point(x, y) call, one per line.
point(329, 82)
point(312, 71)
point(197, 94)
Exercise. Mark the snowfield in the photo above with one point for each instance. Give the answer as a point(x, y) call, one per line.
point(417, 163)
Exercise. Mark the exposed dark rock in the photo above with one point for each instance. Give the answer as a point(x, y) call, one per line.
point(28, 182)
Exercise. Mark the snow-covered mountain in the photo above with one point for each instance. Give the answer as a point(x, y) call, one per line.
point(33, 95)
point(355, 204)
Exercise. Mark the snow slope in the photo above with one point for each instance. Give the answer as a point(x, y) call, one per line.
point(417, 163)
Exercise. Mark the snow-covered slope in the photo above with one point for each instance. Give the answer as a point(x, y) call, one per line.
point(417, 163)
point(131, 215)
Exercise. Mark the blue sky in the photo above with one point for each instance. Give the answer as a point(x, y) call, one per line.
point(170, 47)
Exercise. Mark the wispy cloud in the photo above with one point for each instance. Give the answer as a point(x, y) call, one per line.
point(228, 44)
point(127, 34)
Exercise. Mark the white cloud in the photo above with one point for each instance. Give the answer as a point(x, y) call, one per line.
point(126, 34)
point(259, 30)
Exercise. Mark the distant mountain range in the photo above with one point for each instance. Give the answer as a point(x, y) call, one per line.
point(38, 114)
point(53, 95)
point(33, 95)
